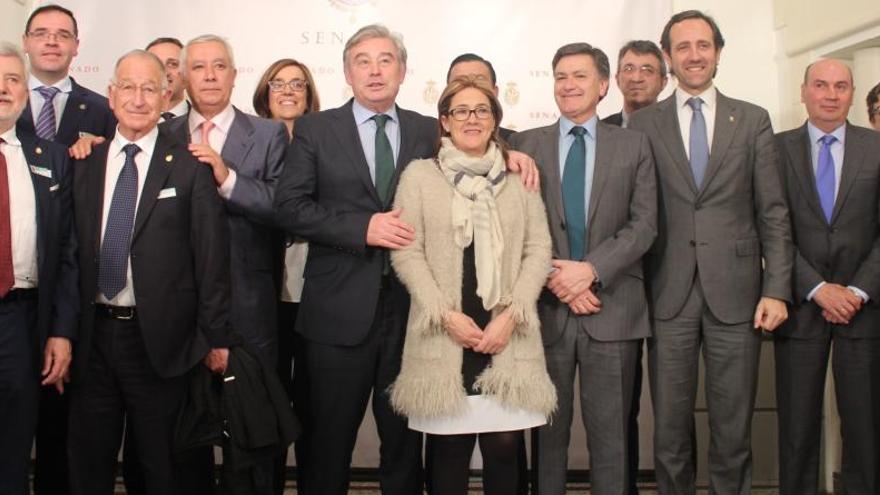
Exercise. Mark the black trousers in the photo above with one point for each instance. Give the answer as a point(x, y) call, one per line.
point(121, 389)
point(450, 457)
point(19, 389)
point(341, 380)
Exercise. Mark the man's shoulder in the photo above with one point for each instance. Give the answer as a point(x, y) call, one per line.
point(89, 95)
point(533, 135)
point(614, 119)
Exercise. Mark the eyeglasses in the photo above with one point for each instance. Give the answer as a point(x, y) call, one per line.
point(632, 68)
point(874, 112)
point(463, 113)
point(297, 85)
point(46, 35)
point(129, 89)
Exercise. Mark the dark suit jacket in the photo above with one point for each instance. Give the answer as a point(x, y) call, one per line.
point(56, 244)
point(327, 197)
point(255, 149)
point(621, 223)
point(179, 257)
point(722, 230)
point(847, 252)
point(614, 119)
point(85, 111)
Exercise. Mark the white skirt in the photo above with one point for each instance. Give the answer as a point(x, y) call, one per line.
point(482, 414)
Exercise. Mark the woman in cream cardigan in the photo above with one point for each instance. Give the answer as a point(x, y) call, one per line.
point(473, 363)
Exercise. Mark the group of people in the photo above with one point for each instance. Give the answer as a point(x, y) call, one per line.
point(458, 273)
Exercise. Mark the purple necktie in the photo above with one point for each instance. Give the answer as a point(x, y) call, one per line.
point(825, 176)
point(46, 119)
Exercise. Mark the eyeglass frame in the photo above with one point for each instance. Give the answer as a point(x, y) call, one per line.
point(470, 111)
point(46, 35)
point(277, 85)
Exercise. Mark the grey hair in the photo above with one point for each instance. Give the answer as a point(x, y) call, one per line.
point(9, 50)
point(375, 31)
point(142, 54)
point(205, 38)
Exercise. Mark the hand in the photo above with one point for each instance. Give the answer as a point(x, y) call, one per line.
point(770, 313)
point(217, 360)
point(527, 168)
point(56, 362)
point(585, 304)
point(570, 279)
point(389, 231)
point(82, 148)
point(208, 156)
point(840, 303)
point(497, 334)
point(462, 329)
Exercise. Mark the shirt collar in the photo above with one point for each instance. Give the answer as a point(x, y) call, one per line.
point(222, 120)
point(11, 137)
point(65, 85)
point(709, 96)
point(363, 114)
point(816, 133)
point(566, 125)
point(146, 143)
point(180, 108)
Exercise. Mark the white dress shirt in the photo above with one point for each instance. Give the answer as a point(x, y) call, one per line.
point(686, 113)
point(65, 86)
point(115, 162)
point(181, 108)
point(22, 212)
point(366, 126)
point(216, 139)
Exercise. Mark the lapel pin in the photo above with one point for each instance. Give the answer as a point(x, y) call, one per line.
point(38, 150)
point(731, 118)
point(168, 158)
point(82, 106)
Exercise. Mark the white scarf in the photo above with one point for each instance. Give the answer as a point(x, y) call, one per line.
point(477, 181)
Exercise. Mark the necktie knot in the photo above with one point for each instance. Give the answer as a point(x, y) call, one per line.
point(48, 93)
point(695, 103)
point(167, 116)
point(827, 140)
point(577, 131)
point(381, 119)
point(130, 150)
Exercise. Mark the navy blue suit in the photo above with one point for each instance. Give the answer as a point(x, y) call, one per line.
point(85, 112)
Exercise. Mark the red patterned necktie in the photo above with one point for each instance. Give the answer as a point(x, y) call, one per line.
point(7, 276)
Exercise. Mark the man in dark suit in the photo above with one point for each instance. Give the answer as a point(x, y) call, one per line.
point(831, 179)
point(62, 111)
point(154, 285)
point(599, 186)
point(721, 211)
point(38, 298)
point(168, 50)
point(641, 76)
point(477, 67)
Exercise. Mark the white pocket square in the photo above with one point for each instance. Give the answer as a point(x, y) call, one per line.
point(45, 172)
point(54, 187)
point(167, 193)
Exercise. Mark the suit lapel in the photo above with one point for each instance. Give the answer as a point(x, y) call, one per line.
point(157, 174)
point(670, 131)
point(35, 156)
point(852, 163)
point(238, 141)
point(727, 118)
point(548, 161)
point(74, 110)
point(95, 170)
point(601, 168)
point(350, 142)
point(798, 148)
point(407, 145)
point(25, 122)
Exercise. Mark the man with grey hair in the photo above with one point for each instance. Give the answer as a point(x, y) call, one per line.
point(154, 286)
point(337, 192)
point(37, 273)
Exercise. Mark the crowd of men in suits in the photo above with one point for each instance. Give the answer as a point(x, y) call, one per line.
point(141, 236)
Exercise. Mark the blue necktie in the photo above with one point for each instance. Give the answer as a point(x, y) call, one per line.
point(46, 120)
point(699, 143)
point(384, 158)
point(573, 183)
point(113, 267)
point(825, 176)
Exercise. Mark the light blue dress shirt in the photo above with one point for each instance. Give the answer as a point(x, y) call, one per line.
point(565, 141)
point(367, 130)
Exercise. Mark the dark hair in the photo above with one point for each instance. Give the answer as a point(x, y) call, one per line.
point(596, 53)
point(458, 85)
point(261, 94)
point(871, 100)
point(472, 57)
point(161, 41)
point(643, 47)
point(51, 8)
point(684, 16)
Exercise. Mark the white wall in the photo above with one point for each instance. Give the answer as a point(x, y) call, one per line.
point(13, 14)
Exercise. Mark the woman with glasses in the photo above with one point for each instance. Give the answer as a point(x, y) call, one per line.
point(473, 364)
point(286, 91)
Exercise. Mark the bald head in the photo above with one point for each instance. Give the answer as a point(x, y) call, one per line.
point(825, 63)
point(827, 93)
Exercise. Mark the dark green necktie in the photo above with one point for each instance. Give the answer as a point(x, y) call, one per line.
point(384, 158)
point(573, 178)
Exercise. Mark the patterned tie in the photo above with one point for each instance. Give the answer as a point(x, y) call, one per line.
point(384, 158)
point(113, 267)
point(573, 183)
point(7, 275)
point(825, 176)
point(699, 145)
point(46, 119)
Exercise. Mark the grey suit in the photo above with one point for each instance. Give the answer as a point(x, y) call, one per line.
point(706, 278)
point(845, 252)
point(621, 225)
